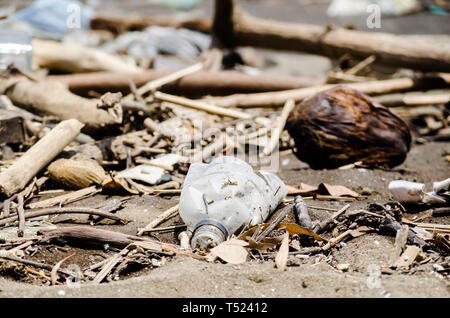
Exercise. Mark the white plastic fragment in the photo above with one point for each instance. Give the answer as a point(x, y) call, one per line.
point(414, 192)
point(150, 174)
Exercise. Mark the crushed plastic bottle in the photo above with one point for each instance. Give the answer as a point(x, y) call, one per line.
point(221, 197)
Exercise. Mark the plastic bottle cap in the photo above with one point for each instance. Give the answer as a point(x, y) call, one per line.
point(207, 236)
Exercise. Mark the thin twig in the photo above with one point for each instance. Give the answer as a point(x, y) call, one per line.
point(274, 139)
point(53, 273)
point(32, 263)
point(32, 271)
point(275, 222)
point(21, 215)
point(318, 228)
point(161, 218)
point(68, 210)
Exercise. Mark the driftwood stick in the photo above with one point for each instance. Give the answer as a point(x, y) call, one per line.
point(21, 215)
point(361, 65)
point(76, 58)
point(95, 236)
point(161, 218)
point(235, 27)
point(278, 98)
point(32, 271)
point(415, 98)
point(274, 223)
point(274, 138)
point(70, 210)
point(16, 177)
point(109, 265)
point(302, 212)
point(318, 228)
point(31, 263)
point(201, 105)
point(6, 208)
point(172, 77)
point(54, 98)
point(64, 198)
point(195, 84)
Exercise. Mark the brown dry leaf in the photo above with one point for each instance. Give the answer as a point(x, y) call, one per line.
point(117, 185)
point(283, 252)
point(360, 231)
point(337, 190)
point(232, 251)
point(292, 229)
point(265, 244)
point(303, 189)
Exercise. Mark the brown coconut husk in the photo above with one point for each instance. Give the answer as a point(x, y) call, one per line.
point(76, 173)
point(339, 126)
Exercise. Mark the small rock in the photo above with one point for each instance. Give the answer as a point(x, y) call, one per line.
point(343, 267)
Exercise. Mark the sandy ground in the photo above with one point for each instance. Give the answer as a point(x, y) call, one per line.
point(186, 277)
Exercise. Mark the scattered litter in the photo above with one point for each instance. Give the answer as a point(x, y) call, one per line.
point(414, 192)
point(220, 197)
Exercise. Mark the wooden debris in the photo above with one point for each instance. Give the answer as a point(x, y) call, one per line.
point(216, 83)
point(200, 105)
point(276, 132)
point(74, 58)
point(16, 177)
point(235, 27)
point(53, 98)
point(161, 218)
point(49, 211)
point(54, 275)
point(153, 85)
point(410, 254)
point(21, 216)
point(275, 99)
point(276, 221)
point(64, 198)
point(320, 227)
point(12, 129)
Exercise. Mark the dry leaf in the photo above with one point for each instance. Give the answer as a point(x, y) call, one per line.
point(283, 252)
point(117, 185)
point(292, 229)
point(337, 190)
point(303, 189)
point(360, 231)
point(265, 244)
point(232, 251)
point(323, 188)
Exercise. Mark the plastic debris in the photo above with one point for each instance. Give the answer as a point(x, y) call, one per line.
point(414, 192)
point(156, 40)
point(57, 17)
point(220, 197)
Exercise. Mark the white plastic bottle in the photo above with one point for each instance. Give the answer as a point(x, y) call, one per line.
point(221, 197)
